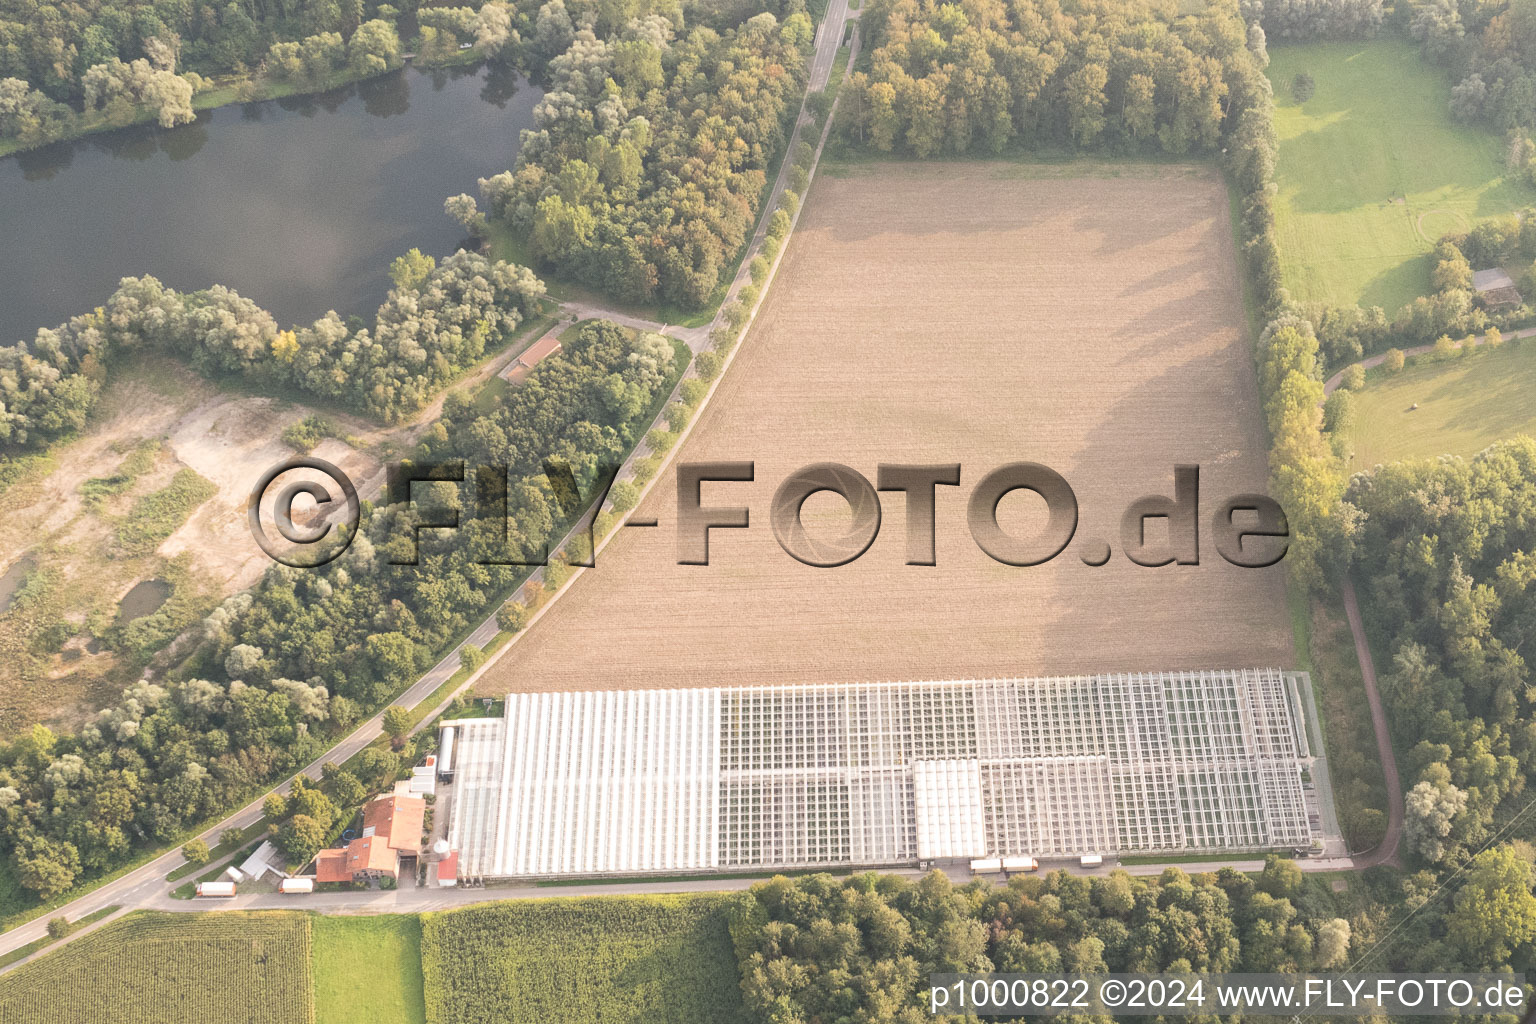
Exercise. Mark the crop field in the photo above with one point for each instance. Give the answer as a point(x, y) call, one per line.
point(1463, 406)
point(1086, 317)
point(1373, 170)
point(156, 968)
point(658, 959)
point(367, 968)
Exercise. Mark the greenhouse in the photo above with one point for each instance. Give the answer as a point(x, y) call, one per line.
point(880, 774)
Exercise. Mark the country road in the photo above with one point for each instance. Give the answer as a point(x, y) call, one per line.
point(1332, 383)
point(145, 885)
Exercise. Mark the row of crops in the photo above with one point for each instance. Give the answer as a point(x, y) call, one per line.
point(611, 959)
point(230, 968)
point(656, 959)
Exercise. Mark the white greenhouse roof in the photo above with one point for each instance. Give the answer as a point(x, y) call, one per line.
point(882, 774)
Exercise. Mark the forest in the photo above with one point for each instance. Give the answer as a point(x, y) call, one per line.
point(644, 175)
point(1446, 551)
point(979, 77)
point(819, 948)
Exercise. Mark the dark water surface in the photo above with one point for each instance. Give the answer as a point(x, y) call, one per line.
point(299, 204)
point(145, 598)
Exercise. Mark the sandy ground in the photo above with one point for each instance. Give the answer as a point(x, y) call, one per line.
point(1086, 318)
point(228, 438)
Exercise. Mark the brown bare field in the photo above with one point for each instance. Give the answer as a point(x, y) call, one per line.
point(1086, 317)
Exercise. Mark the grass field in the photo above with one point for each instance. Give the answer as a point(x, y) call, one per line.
point(1463, 406)
point(157, 968)
point(1359, 788)
point(656, 959)
point(367, 968)
point(978, 313)
point(1373, 170)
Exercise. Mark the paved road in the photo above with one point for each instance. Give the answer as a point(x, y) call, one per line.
point(1386, 853)
point(1332, 383)
point(145, 885)
point(696, 338)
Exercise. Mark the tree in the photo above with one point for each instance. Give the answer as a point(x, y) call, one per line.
point(463, 209)
point(1085, 103)
point(493, 28)
point(471, 657)
point(231, 837)
point(58, 927)
point(1394, 360)
point(1332, 949)
point(374, 48)
point(301, 837)
point(410, 271)
point(348, 788)
point(46, 866)
point(1280, 878)
point(1354, 377)
point(397, 722)
point(242, 660)
point(512, 617)
point(1302, 87)
point(1429, 810)
point(1494, 914)
point(196, 852)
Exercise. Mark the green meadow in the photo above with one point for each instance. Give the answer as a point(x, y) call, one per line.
point(1373, 170)
point(1464, 405)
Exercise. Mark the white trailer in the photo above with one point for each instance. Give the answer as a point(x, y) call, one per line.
point(445, 754)
point(986, 865)
point(1012, 864)
point(296, 885)
point(216, 890)
point(1091, 860)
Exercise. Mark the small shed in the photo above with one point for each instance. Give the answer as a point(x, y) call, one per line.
point(448, 870)
point(265, 859)
point(519, 369)
point(1495, 288)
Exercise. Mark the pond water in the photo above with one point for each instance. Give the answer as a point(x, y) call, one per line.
point(145, 598)
point(12, 579)
point(299, 204)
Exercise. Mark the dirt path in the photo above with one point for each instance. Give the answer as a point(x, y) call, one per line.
point(1332, 383)
point(1386, 853)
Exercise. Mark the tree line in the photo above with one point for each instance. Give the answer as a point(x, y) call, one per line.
point(436, 321)
point(308, 652)
point(1098, 75)
point(818, 948)
point(644, 172)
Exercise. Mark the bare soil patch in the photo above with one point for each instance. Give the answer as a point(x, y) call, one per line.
point(1088, 318)
point(50, 668)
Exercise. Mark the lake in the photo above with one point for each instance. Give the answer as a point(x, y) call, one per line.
point(299, 203)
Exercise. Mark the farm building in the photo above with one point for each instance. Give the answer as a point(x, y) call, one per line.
point(880, 775)
point(391, 830)
point(530, 357)
point(265, 859)
point(1495, 288)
